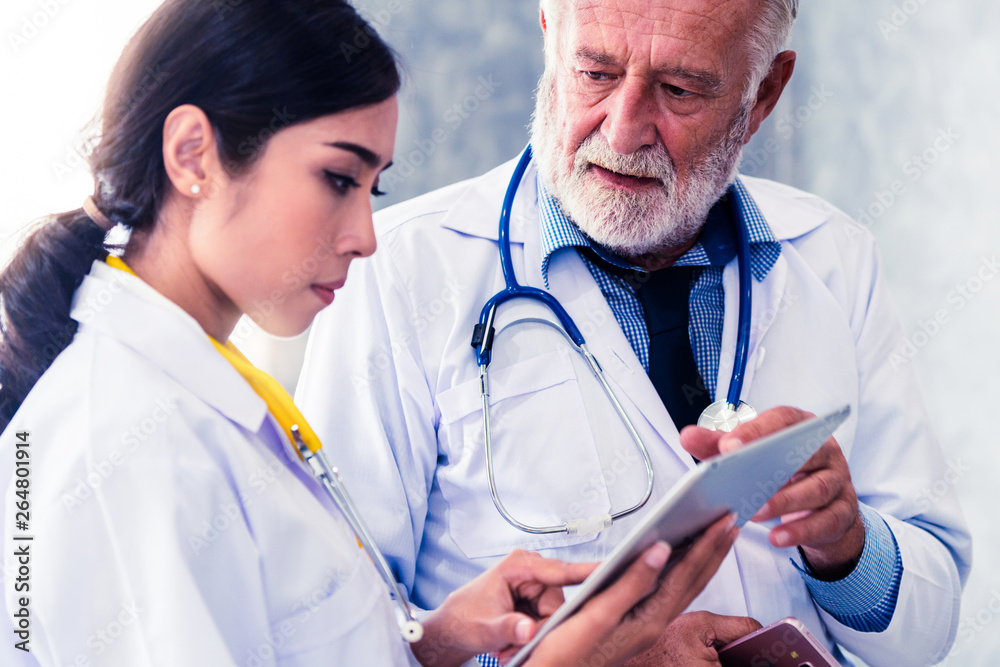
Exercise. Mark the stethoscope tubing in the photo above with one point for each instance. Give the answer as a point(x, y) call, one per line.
point(512, 288)
point(483, 341)
point(411, 629)
point(483, 338)
point(746, 287)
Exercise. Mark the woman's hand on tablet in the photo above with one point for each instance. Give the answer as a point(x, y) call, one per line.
point(499, 611)
point(630, 616)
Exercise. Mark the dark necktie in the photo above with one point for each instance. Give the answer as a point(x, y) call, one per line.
point(672, 369)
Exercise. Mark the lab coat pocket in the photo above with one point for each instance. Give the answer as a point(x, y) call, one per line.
point(546, 466)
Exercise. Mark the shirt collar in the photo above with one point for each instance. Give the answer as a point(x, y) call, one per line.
point(715, 245)
point(558, 233)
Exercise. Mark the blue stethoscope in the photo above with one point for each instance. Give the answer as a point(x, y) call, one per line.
point(722, 415)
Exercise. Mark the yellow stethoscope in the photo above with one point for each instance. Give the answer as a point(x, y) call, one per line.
point(327, 475)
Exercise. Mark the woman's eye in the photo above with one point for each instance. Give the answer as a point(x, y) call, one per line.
point(340, 182)
point(376, 192)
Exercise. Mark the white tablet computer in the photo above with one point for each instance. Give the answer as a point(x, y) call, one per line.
point(740, 482)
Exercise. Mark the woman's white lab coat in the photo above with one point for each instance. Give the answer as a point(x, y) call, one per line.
point(390, 371)
point(172, 524)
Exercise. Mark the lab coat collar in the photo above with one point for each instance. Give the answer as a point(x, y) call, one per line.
point(123, 307)
point(473, 213)
point(790, 213)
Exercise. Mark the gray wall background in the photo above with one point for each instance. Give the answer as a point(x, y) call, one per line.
point(470, 70)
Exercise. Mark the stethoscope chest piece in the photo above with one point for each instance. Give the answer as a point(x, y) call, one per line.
point(720, 416)
point(412, 631)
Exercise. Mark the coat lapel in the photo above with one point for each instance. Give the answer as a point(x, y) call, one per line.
point(575, 287)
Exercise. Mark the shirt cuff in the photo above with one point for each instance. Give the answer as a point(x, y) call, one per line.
point(865, 599)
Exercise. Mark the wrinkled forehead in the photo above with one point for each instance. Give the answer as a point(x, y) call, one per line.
point(663, 34)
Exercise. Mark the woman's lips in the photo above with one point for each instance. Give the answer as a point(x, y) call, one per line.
point(325, 291)
point(624, 181)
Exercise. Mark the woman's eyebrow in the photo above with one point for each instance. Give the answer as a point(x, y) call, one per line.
point(367, 156)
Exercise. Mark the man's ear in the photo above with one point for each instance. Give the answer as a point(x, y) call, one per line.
point(541, 16)
point(770, 90)
point(190, 153)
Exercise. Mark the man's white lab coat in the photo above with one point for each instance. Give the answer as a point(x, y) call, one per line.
point(390, 382)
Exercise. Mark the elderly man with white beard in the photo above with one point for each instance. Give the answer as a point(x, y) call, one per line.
point(630, 214)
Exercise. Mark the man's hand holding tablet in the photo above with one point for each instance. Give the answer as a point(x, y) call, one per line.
point(818, 507)
point(730, 483)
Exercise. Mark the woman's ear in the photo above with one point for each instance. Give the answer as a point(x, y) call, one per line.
point(190, 152)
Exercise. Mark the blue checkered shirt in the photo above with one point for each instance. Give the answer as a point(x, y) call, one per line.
point(865, 599)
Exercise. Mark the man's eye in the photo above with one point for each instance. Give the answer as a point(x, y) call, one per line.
point(677, 91)
point(598, 76)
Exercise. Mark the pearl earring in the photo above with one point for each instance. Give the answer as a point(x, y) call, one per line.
point(195, 189)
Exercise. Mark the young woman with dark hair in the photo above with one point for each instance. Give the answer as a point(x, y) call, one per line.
point(155, 508)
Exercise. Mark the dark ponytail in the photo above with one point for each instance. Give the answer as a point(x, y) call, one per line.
point(254, 67)
point(36, 289)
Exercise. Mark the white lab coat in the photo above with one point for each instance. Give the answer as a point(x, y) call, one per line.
point(173, 525)
point(391, 380)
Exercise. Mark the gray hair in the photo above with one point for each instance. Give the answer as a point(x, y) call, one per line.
point(764, 41)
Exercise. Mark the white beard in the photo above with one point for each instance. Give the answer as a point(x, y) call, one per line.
point(631, 223)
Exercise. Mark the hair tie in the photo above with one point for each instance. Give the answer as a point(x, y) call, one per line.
point(94, 213)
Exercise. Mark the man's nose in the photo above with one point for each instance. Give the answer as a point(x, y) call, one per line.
point(630, 123)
